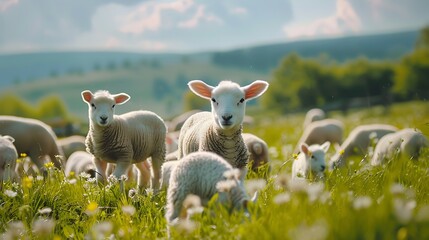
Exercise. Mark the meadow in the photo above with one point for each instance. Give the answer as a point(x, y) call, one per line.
point(356, 202)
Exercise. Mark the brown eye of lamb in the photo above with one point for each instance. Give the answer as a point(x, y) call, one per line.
point(241, 101)
point(113, 106)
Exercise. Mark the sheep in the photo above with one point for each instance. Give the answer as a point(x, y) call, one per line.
point(177, 122)
point(258, 150)
point(313, 115)
point(311, 160)
point(219, 131)
point(199, 173)
point(33, 138)
point(78, 162)
point(124, 139)
point(406, 142)
point(358, 142)
point(71, 144)
point(166, 170)
point(8, 156)
point(321, 131)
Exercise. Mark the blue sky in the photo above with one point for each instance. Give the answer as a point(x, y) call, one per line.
point(192, 25)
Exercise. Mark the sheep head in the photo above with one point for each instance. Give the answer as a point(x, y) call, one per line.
point(102, 105)
point(228, 100)
point(315, 156)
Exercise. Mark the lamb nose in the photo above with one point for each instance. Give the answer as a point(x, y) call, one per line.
point(227, 118)
point(103, 118)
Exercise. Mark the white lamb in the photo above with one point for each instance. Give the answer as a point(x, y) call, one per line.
point(8, 156)
point(220, 130)
point(71, 144)
point(321, 131)
point(313, 115)
point(199, 173)
point(406, 142)
point(124, 139)
point(358, 141)
point(79, 162)
point(311, 160)
point(258, 150)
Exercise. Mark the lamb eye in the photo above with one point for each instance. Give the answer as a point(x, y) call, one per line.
point(93, 105)
point(213, 100)
point(242, 100)
point(113, 106)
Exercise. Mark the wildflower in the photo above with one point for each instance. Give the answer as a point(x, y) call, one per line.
point(102, 230)
point(72, 181)
point(255, 185)
point(295, 156)
point(226, 186)
point(341, 152)
point(112, 180)
point(298, 185)
point(15, 230)
point(27, 182)
point(232, 174)
point(318, 230)
point(282, 198)
point(22, 155)
point(39, 178)
point(84, 175)
point(132, 193)
point(282, 181)
point(45, 210)
point(186, 226)
point(49, 165)
point(192, 205)
point(71, 174)
point(43, 227)
point(10, 193)
point(403, 209)
point(314, 191)
point(362, 202)
point(129, 210)
point(92, 208)
point(124, 178)
point(273, 152)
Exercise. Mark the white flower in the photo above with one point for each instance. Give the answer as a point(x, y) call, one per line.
point(403, 209)
point(232, 174)
point(15, 230)
point(186, 225)
point(255, 185)
point(192, 205)
point(129, 210)
point(45, 210)
point(317, 231)
point(39, 178)
point(112, 180)
point(132, 193)
point(298, 185)
point(124, 178)
point(314, 191)
point(281, 198)
point(102, 230)
point(282, 181)
point(362, 202)
point(226, 186)
point(43, 227)
point(84, 175)
point(72, 181)
point(10, 193)
point(273, 152)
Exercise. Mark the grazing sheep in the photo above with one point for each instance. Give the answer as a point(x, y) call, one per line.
point(321, 131)
point(8, 156)
point(258, 150)
point(358, 141)
point(80, 162)
point(313, 115)
point(34, 138)
point(71, 144)
point(219, 131)
point(199, 173)
point(124, 139)
point(311, 160)
point(406, 142)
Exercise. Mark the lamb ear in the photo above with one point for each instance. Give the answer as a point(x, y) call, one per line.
point(304, 148)
point(255, 89)
point(121, 98)
point(325, 146)
point(87, 96)
point(11, 139)
point(201, 89)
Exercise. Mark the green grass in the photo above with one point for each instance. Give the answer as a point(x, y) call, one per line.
point(357, 202)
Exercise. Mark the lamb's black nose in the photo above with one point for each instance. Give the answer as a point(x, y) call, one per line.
point(103, 118)
point(227, 118)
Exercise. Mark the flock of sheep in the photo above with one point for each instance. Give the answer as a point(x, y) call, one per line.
point(205, 151)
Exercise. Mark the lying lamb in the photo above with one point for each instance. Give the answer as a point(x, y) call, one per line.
point(313, 115)
point(219, 131)
point(80, 162)
point(406, 142)
point(199, 173)
point(123, 139)
point(311, 160)
point(358, 141)
point(8, 156)
point(34, 138)
point(321, 131)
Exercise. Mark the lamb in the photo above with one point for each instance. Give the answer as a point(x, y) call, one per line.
point(406, 142)
point(321, 131)
point(8, 156)
point(166, 170)
point(311, 160)
point(258, 150)
point(78, 162)
point(313, 115)
point(34, 138)
point(199, 173)
point(220, 130)
point(71, 144)
point(124, 139)
point(358, 142)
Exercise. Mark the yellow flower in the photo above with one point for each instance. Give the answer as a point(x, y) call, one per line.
point(49, 165)
point(342, 152)
point(71, 174)
point(295, 156)
point(27, 182)
point(23, 155)
point(92, 208)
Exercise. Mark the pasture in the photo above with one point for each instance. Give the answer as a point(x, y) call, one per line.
point(356, 202)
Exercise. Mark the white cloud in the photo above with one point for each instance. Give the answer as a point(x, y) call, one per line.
point(200, 15)
point(5, 4)
point(239, 11)
point(344, 20)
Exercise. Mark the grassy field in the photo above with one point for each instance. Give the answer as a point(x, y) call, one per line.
point(357, 202)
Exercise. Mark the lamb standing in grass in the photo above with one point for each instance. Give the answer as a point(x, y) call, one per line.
point(123, 139)
point(313, 115)
point(321, 131)
point(8, 156)
point(358, 141)
point(79, 162)
point(311, 160)
point(258, 150)
point(34, 138)
point(199, 173)
point(71, 144)
point(220, 130)
point(406, 143)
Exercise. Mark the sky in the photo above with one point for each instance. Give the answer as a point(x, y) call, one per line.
point(194, 25)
